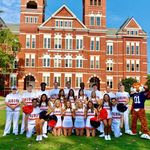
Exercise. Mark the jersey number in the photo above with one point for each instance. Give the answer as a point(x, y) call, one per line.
point(137, 100)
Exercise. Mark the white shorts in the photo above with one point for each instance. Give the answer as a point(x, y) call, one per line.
point(67, 122)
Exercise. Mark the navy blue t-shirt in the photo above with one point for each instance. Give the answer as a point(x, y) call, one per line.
point(138, 100)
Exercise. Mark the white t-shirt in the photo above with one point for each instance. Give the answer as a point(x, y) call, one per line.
point(99, 94)
point(111, 95)
point(40, 93)
point(66, 90)
point(13, 99)
point(28, 96)
point(122, 97)
point(34, 115)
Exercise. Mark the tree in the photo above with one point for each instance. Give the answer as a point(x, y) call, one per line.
point(148, 81)
point(128, 82)
point(9, 46)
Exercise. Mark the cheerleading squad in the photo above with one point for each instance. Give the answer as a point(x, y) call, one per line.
point(64, 111)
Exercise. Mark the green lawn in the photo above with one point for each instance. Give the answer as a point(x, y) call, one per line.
point(20, 142)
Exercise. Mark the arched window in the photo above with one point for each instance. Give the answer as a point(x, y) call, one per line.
point(99, 2)
point(91, 2)
point(57, 61)
point(32, 5)
point(68, 61)
point(79, 61)
point(46, 61)
point(109, 65)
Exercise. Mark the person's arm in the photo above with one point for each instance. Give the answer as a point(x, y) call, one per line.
point(7, 104)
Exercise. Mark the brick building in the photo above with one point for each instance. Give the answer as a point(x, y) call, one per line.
point(63, 48)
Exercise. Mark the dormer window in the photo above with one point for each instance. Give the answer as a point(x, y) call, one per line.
point(32, 5)
point(132, 32)
point(63, 23)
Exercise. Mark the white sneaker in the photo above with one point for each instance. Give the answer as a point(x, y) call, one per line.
point(120, 134)
point(145, 136)
point(102, 135)
point(4, 134)
point(108, 137)
point(45, 136)
point(129, 132)
point(38, 138)
point(140, 132)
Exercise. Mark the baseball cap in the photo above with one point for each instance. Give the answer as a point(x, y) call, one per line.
point(13, 88)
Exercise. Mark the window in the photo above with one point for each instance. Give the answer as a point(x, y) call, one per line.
point(57, 23)
point(99, 2)
point(68, 42)
point(92, 21)
point(137, 65)
point(57, 61)
point(46, 61)
point(13, 80)
point(78, 79)
point(33, 41)
point(68, 77)
point(128, 48)
point(79, 42)
point(46, 78)
point(63, 23)
point(132, 66)
point(92, 43)
point(91, 62)
point(109, 65)
point(95, 2)
point(79, 62)
point(32, 60)
point(31, 19)
point(132, 48)
point(58, 41)
point(68, 61)
point(128, 65)
point(15, 64)
point(91, 2)
point(109, 48)
point(27, 41)
point(27, 60)
point(137, 49)
point(97, 43)
point(110, 81)
point(47, 41)
point(57, 78)
point(98, 21)
point(97, 62)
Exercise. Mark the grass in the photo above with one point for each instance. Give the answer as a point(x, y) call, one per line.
point(126, 142)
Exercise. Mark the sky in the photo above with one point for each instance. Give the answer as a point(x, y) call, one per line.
point(117, 12)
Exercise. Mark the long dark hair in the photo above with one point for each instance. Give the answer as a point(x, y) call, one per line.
point(109, 103)
point(59, 95)
point(71, 90)
point(46, 101)
point(79, 92)
point(92, 109)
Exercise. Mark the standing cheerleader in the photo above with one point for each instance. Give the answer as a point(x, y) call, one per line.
point(96, 101)
point(90, 113)
point(44, 106)
point(79, 115)
point(71, 98)
point(107, 122)
point(67, 121)
point(82, 98)
point(58, 112)
point(61, 97)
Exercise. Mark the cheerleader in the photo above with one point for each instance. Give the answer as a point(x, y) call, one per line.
point(90, 113)
point(117, 119)
point(32, 121)
point(71, 98)
point(107, 122)
point(44, 106)
point(62, 97)
point(12, 102)
point(67, 121)
point(79, 115)
point(82, 98)
point(57, 130)
point(96, 101)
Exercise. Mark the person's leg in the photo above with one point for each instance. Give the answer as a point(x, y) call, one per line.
point(54, 132)
point(23, 124)
point(126, 120)
point(44, 129)
point(93, 133)
point(30, 130)
point(109, 122)
point(81, 132)
point(59, 131)
point(87, 132)
point(65, 132)
point(77, 132)
point(15, 122)
point(9, 115)
point(69, 132)
point(134, 119)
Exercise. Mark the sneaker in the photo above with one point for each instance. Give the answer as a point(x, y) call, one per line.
point(129, 132)
point(102, 135)
point(145, 136)
point(120, 134)
point(38, 138)
point(45, 136)
point(140, 132)
point(108, 137)
point(4, 134)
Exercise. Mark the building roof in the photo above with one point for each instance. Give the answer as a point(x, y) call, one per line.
point(14, 28)
point(2, 23)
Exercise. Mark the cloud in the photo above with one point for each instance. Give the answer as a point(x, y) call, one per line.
point(11, 10)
